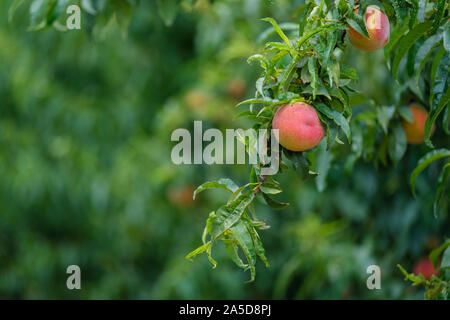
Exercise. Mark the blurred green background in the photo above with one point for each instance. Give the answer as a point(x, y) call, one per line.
point(86, 176)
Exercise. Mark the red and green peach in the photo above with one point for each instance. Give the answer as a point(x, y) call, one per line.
point(377, 24)
point(415, 130)
point(299, 127)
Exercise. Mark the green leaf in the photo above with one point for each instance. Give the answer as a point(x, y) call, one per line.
point(384, 116)
point(447, 36)
point(278, 30)
point(240, 190)
point(358, 23)
point(321, 90)
point(397, 143)
point(442, 183)
point(259, 85)
point(424, 162)
point(270, 31)
point(411, 276)
point(88, 6)
point(312, 68)
point(413, 12)
point(406, 113)
point(335, 73)
point(300, 164)
point(167, 10)
point(411, 56)
point(323, 165)
point(274, 203)
point(436, 253)
point(438, 100)
point(403, 270)
point(440, 11)
point(332, 132)
point(123, 15)
point(305, 76)
point(261, 59)
point(435, 65)
point(421, 12)
point(12, 9)
point(407, 42)
point(231, 246)
point(317, 31)
point(337, 117)
point(446, 121)
point(445, 263)
point(341, 96)
point(342, 7)
point(206, 247)
point(256, 101)
point(242, 236)
point(199, 250)
point(424, 53)
point(230, 214)
point(348, 72)
point(208, 227)
point(396, 34)
point(278, 46)
point(439, 79)
point(288, 73)
point(270, 188)
point(247, 114)
point(260, 251)
point(253, 175)
point(332, 38)
point(210, 258)
point(434, 114)
point(400, 7)
point(38, 14)
point(226, 184)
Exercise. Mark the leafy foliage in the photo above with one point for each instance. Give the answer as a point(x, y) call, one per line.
point(305, 62)
point(307, 67)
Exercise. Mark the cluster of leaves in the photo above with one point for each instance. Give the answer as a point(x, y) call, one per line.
point(419, 50)
point(307, 66)
point(437, 288)
point(235, 223)
point(422, 35)
point(417, 55)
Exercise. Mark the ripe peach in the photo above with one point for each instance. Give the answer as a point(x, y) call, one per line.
point(236, 88)
point(299, 127)
point(196, 99)
point(378, 27)
point(425, 267)
point(181, 197)
point(415, 130)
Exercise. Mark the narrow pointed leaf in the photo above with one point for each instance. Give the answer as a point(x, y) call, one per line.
point(407, 42)
point(424, 162)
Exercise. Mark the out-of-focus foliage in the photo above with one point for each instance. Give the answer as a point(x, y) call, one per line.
point(85, 124)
